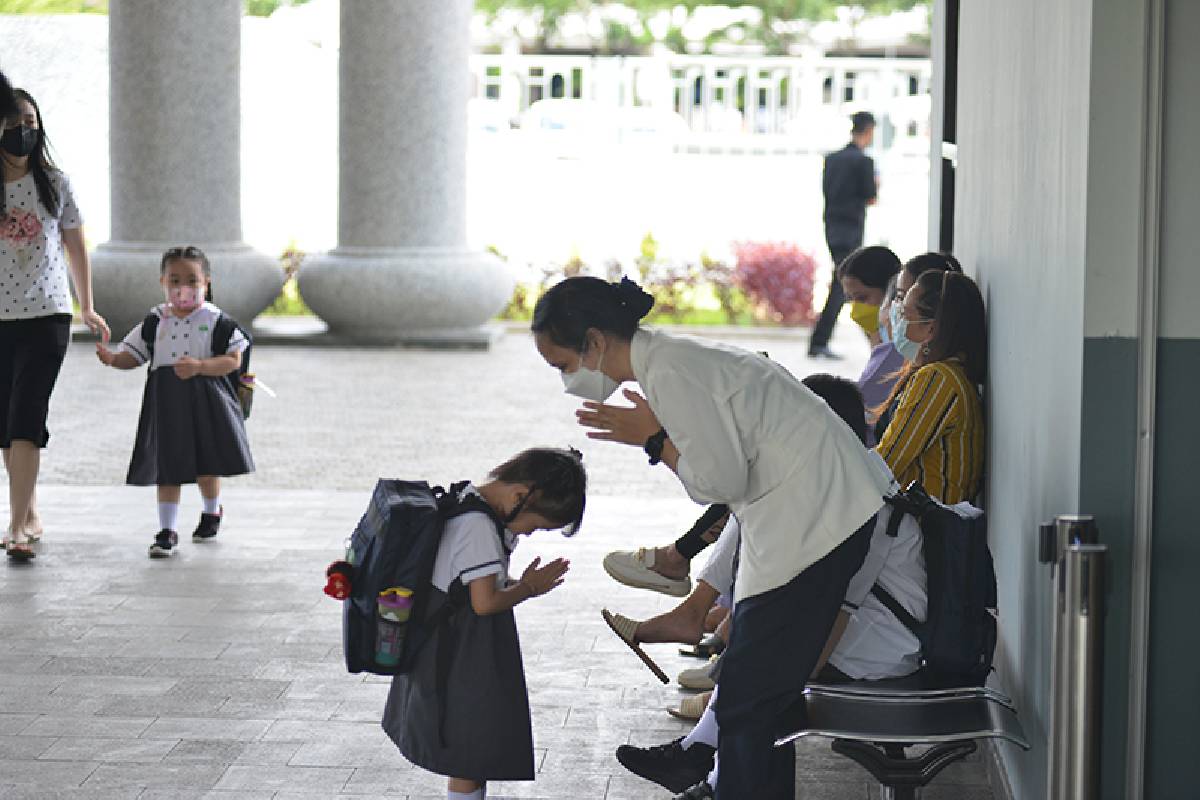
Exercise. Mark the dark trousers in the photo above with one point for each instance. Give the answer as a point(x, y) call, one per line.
point(823, 330)
point(697, 538)
point(777, 639)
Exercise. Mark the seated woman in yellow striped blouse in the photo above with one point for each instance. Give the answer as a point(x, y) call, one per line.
point(936, 436)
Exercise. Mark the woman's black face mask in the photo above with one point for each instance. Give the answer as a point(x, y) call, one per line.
point(19, 141)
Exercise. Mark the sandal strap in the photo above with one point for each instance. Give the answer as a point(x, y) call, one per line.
point(625, 627)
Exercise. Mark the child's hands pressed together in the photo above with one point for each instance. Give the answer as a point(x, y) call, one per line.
point(187, 367)
point(105, 355)
point(542, 579)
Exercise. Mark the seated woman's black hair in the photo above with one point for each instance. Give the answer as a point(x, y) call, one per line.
point(930, 262)
point(557, 481)
point(873, 266)
point(571, 307)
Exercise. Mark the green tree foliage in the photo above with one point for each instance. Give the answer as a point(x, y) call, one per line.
point(254, 8)
point(53, 6)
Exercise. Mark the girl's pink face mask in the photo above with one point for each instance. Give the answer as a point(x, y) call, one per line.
point(185, 298)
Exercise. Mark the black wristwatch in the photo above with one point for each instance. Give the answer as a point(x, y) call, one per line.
point(654, 446)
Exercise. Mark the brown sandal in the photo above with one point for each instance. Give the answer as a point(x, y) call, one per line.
point(624, 628)
point(19, 551)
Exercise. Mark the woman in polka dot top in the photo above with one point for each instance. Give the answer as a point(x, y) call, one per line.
point(191, 429)
point(41, 244)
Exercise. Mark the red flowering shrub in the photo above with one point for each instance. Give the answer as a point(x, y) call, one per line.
point(778, 278)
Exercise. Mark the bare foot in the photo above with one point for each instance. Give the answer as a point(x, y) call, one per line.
point(678, 625)
point(669, 563)
point(33, 525)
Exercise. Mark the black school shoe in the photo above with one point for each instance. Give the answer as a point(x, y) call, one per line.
point(669, 765)
point(701, 791)
point(165, 542)
point(209, 524)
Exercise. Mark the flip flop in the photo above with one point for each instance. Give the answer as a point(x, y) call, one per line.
point(19, 552)
point(691, 708)
point(624, 628)
point(708, 647)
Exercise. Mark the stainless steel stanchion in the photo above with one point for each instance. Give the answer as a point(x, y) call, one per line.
point(1083, 635)
point(1057, 538)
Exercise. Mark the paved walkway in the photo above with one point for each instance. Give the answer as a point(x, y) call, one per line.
point(218, 674)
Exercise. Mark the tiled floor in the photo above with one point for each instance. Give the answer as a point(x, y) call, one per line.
point(218, 673)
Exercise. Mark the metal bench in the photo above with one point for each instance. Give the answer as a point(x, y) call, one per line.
point(874, 727)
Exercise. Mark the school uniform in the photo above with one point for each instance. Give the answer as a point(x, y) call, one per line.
point(188, 428)
point(35, 305)
point(805, 493)
point(476, 723)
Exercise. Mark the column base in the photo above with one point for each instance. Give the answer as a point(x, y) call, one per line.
point(125, 277)
point(419, 296)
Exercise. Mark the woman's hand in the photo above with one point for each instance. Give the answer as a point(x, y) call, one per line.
point(619, 423)
point(96, 324)
point(187, 367)
point(542, 579)
point(105, 355)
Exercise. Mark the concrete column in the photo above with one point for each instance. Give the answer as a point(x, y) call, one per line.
point(175, 150)
point(401, 271)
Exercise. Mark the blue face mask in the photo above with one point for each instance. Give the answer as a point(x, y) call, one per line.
point(905, 346)
point(885, 335)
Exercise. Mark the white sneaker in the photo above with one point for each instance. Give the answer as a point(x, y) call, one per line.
point(633, 568)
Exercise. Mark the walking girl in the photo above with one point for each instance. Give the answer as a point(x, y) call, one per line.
point(41, 241)
point(191, 428)
point(463, 710)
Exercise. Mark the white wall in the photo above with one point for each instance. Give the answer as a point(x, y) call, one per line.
point(1020, 229)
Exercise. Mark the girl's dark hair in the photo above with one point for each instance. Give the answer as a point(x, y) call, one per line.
point(844, 398)
point(571, 307)
point(931, 262)
point(557, 481)
point(40, 163)
point(874, 266)
point(191, 253)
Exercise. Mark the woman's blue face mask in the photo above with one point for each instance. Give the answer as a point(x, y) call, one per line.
point(905, 346)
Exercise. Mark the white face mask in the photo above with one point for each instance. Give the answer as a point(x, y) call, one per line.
point(589, 384)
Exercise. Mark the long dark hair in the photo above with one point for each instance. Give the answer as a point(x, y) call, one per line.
point(40, 163)
point(953, 301)
point(931, 262)
point(191, 253)
point(573, 306)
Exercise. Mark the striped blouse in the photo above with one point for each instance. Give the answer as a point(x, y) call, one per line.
point(936, 436)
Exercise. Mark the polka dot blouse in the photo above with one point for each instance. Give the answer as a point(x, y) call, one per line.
point(33, 264)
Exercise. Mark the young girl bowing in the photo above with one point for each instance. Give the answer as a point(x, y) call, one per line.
point(191, 428)
point(463, 710)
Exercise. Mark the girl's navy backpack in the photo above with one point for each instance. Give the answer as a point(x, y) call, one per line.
point(395, 545)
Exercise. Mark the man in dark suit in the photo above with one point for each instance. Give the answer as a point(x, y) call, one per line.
point(850, 185)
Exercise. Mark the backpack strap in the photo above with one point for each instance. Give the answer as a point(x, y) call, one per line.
point(899, 611)
point(150, 332)
point(222, 333)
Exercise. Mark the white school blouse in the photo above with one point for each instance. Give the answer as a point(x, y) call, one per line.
point(750, 435)
point(471, 548)
point(180, 337)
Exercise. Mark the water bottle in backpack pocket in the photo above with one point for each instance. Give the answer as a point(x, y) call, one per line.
point(393, 608)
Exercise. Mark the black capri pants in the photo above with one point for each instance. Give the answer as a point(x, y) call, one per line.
point(31, 354)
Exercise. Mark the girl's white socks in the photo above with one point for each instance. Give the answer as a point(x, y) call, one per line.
point(212, 505)
point(706, 729)
point(475, 795)
point(168, 515)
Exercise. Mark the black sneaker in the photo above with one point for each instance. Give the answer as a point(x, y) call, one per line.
point(823, 352)
point(165, 542)
point(207, 529)
point(669, 765)
point(701, 791)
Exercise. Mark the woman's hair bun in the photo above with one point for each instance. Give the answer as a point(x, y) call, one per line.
point(633, 297)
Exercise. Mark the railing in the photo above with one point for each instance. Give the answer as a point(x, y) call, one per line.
point(790, 102)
